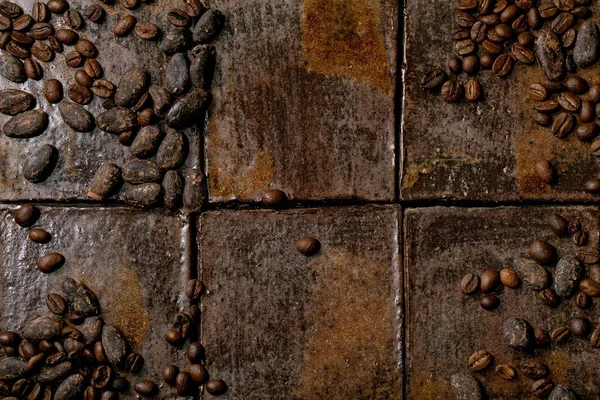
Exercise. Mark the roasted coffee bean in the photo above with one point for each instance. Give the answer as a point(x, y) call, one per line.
point(451, 92)
point(562, 23)
point(587, 45)
point(542, 387)
point(133, 84)
point(522, 53)
point(38, 235)
point(178, 17)
point(478, 32)
point(548, 297)
point(569, 101)
point(101, 377)
point(588, 255)
point(509, 13)
point(489, 302)
point(25, 216)
point(39, 166)
point(546, 106)
point(198, 374)
point(86, 48)
point(28, 349)
point(79, 93)
point(103, 89)
point(218, 386)
point(58, 6)
point(183, 383)
point(502, 65)
point(466, 5)
point(76, 117)
point(36, 362)
point(10, 9)
point(518, 333)
point(464, 387)
point(39, 12)
point(542, 252)
point(17, 50)
point(22, 387)
point(472, 90)
point(534, 370)
point(581, 12)
point(12, 68)
point(587, 113)
point(503, 31)
point(563, 125)
point(134, 363)
point(130, 4)
point(525, 39)
point(308, 246)
point(595, 338)
point(490, 279)
point(454, 65)
point(124, 25)
point(545, 171)
point(99, 354)
point(5, 38)
point(193, 8)
point(593, 93)
point(146, 388)
point(146, 195)
point(506, 372)
point(91, 393)
point(537, 92)
point(41, 31)
point(144, 101)
point(212, 21)
point(23, 22)
point(56, 304)
point(109, 103)
point(558, 224)
point(465, 47)
point(459, 33)
point(510, 278)
point(565, 5)
point(147, 142)
point(542, 119)
point(582, 301)
point(28, 124)
point(274, 198)
point(83, 79)
point(94, 13)
point(14, 101)
point(58, 357)
point(115, 346)
point(67, 36)
point(92, 68)
point(194, 289)
point(170, 373)
point(590, 287)
point(470, 284)
point(161, 100)
point(542, 338)
point(174, 337)
point(33, 70)
point(146, 30)
point(431, 80)
point(5, 24)
point(126, 138)
point(145, 117)
point(580, 238)
point(568, 38)
point(579, 326)
point(73, 19)
point(42, 52)
point(117, 120)
point(548, 51)
point(560, 335)
point(592, 186)
point(50, 262)
point(173, 189)
point(195, 352)
point(74, 59)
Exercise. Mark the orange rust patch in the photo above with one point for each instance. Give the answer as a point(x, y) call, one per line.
point(350, 344)
point(343, 38)
point(424, 387)
point(122, 301)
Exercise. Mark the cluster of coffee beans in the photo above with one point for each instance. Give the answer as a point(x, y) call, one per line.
point(69, 354)
point(182, 328)
point(569, 281)
point(26, 216)
point(494, 34)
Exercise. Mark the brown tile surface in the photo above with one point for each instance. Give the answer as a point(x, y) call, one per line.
point(479, 151)
point(80, 154)
point(277, 324)
point(135, 262)
point(303, 100)
point(444, 327)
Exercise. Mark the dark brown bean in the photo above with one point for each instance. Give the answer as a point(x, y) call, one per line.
point(510, 278)
point(146, 30)
point(560, 335)
point(178, 17)
point(79, 94)
point(545, 171)
point(39, 12)
point(94, 13)
point(33, 69)
point(274, 198)
point(193, 8)
point(93, 68)
point(489, 302)
point(198, 374)
point(502, 65)
point(563, 125)
point(537, 92)
point(124, 25)
point(170, 373)
point(74, 59)
point(50, 262)
point(25, 216)
point(542, 387)
point(58, 6)
point(183, 382)
point(56, 304)
point(590, 287)
point(86, 48)
point(216, 387)
point(579, 326)
point(195, 353)
point(146, 388)
point(452, 91)
point(548, 297)
point(73, 19)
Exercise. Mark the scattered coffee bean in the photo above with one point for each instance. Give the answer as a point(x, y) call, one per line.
point(489, 302)
point(146, 388)
point(178, 17)
point(183, 382)
point(25, 216)
point(124, 25)
point(510, 278)
point(582, 301)
point(542, 387)
point(308, 246)
point(590, 287)
point(198, 374)
point(490, 279)
point(548, 297)
point(534, 370)
point(542, 338)
point(455, 65)
point(217, 387)
point(50, 262)
point(451, 91)
point(174, 337)
point(94, 13)
point(194, 289)
point(472, 90)
point(506, 372)
point(33, 70)
point(542, 252)
point(560, 335)
point(595, 338)
point(558, 224)
point(83, 79)
point(170, 373)
point(579, 326)
point(146, 30)
point(39, 12)
point(587, 254)
point(86, 48)
point(79, 94)
point(545, 171)
point(38, 235)
point(134, 363)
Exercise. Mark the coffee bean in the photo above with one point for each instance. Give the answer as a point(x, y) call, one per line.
point(94, 13)
point(83, 79)
point(587, 112)
point(308, 246)
point(73, 19)
point(12, 68)
point(101, 377)
point(459, 33)
point(506, 372)
point(5, 24)
point(545, 171)
point(593, 93)
point(542, 252)
point(193, 8)
point(71, 387)
point(537, 92)
point(23, 22)
point(502, 65)
point(194, 192)
point(464, 387)
point(588, 255)
point(451, 91)
point(582, 301)
point(147, 142)
point(124, 25)
point(590, 287)
point(465, 47)
point(91, 393)
point(130, 4)
point(170, 373)
point(212, 21)
point(595, 338)
point(562, 23)
point(161, 99)
point(28, 124)
point(548, 51)
point(117, 120)
point(39, 235)
point(518, 333)
point(472, 90)
point(14, 101)
point(50, 262)
point(183, 382)
point(478, 32)
point(542, 387)
point(5, 38)
point(579, 326)
point(455, 65)
point(534, 370)
point(489, 302)
point(194, 289)
point(146, 195)
point(546, 105)
point(133, 84)
point(115, 346)
point(80, 94)
point(558, 224)
point(9, 338)
point(146, 388)
point(28, 349)
point(17, 50)
point(58, 6)
point(198, 373)
point(173, 189)
point(218, 386)
point(563, 125)
point(560, 335)
point(67, 36)
point(12, 368)
point(86, 48)
point(58, 357)
point(592, 186)
point(33, 70)
point(562, 392)
point(76, 117)
point(174, 337)
point(74, 59)
point(178, 17)
point(274, 198)
point(42, 52)
point(93, 68)
point(103, 89)
point(574, 227)
point(469, 284)
point(146, 30)
point(184, 112)
point(490, 279)
point(580, 238)
point(134, 363)
point(542, 338)
point(587, 45)
point(39, 166)
point(510, 278)
point(542, 119)
point(569, 101)
point(25, 216)
point(10, 9)
point(525, 39)
point(39, 12)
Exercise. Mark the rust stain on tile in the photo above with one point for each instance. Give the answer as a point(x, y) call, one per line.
point(122, 298)
point(344, 38)
point(348, 339)
point(413, 173)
